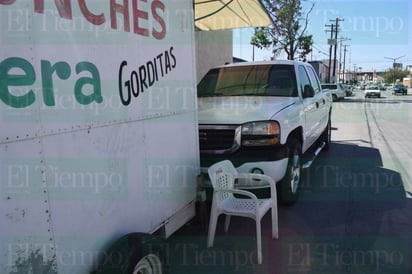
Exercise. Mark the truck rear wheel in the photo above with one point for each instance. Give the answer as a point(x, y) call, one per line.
point(327, 135)
point(290, 183)
point(134, 253)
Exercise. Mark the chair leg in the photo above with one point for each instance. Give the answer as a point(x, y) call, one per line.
point(212, 226)
point(275, 222)
point(259, 241)
point(227, 222)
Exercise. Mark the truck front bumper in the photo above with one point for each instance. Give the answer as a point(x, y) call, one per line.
point(271, 161)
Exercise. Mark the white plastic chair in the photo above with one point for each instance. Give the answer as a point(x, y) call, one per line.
point(222, 176)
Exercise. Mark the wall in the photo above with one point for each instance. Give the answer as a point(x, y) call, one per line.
point(213, 48)
point(407, 82)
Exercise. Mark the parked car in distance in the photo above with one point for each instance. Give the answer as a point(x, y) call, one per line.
point(399, 88)
point(348, 90)
point(388, 86)
point(372, 91)
point(337, 91)
point(362, 86)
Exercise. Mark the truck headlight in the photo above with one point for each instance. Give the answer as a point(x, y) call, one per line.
point(260, 133)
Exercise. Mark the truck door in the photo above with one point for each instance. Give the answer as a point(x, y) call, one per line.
point(322, 110)
point(310, 108)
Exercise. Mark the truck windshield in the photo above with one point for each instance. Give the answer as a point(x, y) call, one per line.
point(251, 80)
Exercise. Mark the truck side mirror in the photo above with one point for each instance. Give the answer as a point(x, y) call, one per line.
point(308, 91)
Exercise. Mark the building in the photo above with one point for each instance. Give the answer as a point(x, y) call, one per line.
point(321, 69)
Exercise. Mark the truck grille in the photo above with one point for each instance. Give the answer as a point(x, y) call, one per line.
point(218, 139)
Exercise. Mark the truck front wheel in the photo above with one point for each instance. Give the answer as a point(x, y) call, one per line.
point(290, 183)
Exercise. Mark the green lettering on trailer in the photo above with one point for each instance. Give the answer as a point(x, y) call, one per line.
point(62, 69)
point(15, 71)
point(8, 79)
point(94, 81)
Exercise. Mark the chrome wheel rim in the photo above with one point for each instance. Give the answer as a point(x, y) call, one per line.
point(149, 264)
point(295, 174)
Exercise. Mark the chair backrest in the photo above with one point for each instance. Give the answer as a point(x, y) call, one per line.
point(223, 181)
point(224, 166)
point(222, 175)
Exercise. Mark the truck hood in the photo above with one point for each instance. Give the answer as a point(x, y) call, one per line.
point(240, 109)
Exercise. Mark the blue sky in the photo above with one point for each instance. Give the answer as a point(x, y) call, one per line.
point(376, 29)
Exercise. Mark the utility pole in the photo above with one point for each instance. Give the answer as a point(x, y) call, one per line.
point(330, 42)
point(337, 20)
point(344, 61)
point(354, 74)
point(340, 57)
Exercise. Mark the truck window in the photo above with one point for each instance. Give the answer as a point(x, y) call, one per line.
point(314, 80)
point(255, 80)
point(303, 77)
point(208, 83)
point(282, 81)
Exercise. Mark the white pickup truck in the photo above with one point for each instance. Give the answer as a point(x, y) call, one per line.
point(264, 116)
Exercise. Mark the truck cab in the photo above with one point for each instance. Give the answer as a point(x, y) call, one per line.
point(261, 115)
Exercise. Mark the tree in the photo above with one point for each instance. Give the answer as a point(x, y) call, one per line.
point(394, 74)
point(287, 34)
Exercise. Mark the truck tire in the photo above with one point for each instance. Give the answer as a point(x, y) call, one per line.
point(327, 135)
point(290, 183)
point(134, 253)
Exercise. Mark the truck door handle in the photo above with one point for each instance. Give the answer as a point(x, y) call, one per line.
point(317, 104)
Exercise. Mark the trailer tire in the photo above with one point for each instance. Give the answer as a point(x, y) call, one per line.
point(134, 253)
point(292, 179)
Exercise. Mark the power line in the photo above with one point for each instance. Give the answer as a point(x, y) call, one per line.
point(321, 50)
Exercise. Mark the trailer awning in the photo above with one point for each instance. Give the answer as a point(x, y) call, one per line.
point(230, 14)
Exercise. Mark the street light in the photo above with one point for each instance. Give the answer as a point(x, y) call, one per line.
point(393, 66)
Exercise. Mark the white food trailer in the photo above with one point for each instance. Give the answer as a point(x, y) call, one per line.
point(98, 130)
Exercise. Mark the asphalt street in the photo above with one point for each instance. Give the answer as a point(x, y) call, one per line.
point(354, 213)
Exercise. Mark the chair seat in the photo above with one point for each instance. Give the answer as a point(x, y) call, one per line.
point(245, 207)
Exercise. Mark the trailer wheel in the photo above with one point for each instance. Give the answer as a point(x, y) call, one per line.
point(290, 183)
point(134, 253)
point(149, 264)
